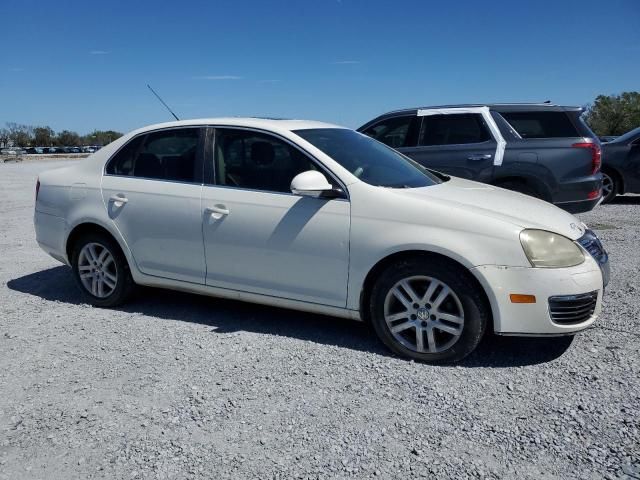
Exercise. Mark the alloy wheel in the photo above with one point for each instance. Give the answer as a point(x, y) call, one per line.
point(424, 314)
point(97, 270)
point(607, 186)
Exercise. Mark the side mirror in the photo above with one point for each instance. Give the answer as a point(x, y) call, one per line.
point(310, 184)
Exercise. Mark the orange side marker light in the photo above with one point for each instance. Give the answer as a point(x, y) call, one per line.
point(522, 298)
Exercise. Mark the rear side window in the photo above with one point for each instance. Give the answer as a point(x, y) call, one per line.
point(397, 132)
point(541, 124)
point(164, 155)
point(453, 129)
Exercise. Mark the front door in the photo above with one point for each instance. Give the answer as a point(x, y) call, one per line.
point(152, 190)
point(258, 236)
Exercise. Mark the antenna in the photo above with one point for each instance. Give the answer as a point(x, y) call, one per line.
point(162, 101)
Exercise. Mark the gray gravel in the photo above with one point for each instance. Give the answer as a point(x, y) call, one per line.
point(181, 386)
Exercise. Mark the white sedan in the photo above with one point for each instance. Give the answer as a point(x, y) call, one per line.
point(320, 218)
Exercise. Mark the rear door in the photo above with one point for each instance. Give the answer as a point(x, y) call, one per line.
point(458, 144)
point(152, 188)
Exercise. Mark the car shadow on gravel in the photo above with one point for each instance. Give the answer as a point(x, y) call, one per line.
point(228, 316)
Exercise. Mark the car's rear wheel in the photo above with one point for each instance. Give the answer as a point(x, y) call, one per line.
point(609, 187)
point(428, 310)
point(101, 270)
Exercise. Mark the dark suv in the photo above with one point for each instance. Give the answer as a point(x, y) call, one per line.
point(542, 150)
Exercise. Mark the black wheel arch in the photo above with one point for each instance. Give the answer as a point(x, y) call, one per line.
point(534, 183)
point(88, 227)
point(405, 256)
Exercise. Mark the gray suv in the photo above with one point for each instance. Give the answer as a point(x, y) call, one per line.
point(542, 150)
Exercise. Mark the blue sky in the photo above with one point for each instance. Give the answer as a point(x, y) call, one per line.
point(83, 65)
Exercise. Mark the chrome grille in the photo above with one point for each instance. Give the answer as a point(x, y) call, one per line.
point(567, 309)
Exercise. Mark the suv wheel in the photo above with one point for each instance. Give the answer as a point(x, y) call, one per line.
point(609, 187)
point(101, 270)
point(428, 311)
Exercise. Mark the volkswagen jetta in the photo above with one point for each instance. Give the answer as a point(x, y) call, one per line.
point(320, 218)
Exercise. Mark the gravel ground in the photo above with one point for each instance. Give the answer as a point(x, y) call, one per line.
point(181, 386)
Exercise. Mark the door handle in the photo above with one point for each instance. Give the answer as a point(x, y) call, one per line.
point(217, 211)
point(479, 156)
point(119, 198)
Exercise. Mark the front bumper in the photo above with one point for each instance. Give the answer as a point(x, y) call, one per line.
point(535, 318)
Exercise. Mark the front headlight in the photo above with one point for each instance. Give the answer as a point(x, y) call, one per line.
point(550, 250)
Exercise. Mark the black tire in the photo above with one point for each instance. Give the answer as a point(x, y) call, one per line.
point(471, 299)
point(520, 187)
point(124, 284)
point(610, 187)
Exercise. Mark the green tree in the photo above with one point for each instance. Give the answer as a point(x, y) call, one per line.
point(43, 136)
point(614, 114)
point(20, 135)
point(101, 137)
point(67, 138)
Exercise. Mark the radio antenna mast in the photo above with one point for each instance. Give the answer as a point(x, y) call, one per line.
point(162, 101)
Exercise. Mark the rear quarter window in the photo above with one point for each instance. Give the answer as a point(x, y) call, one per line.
point(541, 124)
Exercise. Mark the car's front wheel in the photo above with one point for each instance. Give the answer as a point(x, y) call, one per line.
point(428, 309)
point(101, 270)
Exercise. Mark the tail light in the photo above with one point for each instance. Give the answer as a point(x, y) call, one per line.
point(596, 154)
point(37, 188)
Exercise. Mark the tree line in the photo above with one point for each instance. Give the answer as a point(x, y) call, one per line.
point(614, 114)
point(32, 136)
point(607, 115)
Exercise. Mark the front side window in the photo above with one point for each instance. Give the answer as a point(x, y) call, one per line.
point(163, 155)
point(453, 129)
point(256, 161)
point(396, 132)
point(369, 160)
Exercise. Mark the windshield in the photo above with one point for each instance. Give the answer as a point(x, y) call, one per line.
point(369, 160)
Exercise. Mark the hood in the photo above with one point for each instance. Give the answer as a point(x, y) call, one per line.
point(504, 205)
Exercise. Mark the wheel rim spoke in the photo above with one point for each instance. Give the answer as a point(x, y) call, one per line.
point(431, 340)
point(444, 293)
point(445, 328)
point(420, 339)
point(398, 294)
point(420, 322)
point(403, 326)
point(450, 318)
point(430, 291)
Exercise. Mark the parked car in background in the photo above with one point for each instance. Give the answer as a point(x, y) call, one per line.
point(543, 150)
point(320, 218)
point(607, 138)
point(12, 151)
point(621, 165)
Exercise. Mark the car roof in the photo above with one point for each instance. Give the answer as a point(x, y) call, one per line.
point(499, 107)
point(271, 124)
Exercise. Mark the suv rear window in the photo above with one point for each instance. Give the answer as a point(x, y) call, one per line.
point(541, 124)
